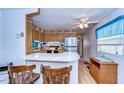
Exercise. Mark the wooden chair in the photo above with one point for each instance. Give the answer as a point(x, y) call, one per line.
point(22, 74)
point(55, 75)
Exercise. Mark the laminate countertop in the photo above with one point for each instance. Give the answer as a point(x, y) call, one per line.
point(56, 57)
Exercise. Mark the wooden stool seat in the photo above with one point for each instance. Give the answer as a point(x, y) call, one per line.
point(35, 76)
point(22, 74)
point(56, 75)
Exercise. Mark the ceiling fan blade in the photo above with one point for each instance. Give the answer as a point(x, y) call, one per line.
point(92, 22)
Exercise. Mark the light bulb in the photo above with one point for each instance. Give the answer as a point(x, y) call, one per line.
point(81, 26)
point(86, 25)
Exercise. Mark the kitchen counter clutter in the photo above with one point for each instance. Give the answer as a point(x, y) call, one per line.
point(55, 60)
point(49, 50)
point(104, 71)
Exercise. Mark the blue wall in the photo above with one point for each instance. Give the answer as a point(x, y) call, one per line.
point(0, 36)
point(13, 45)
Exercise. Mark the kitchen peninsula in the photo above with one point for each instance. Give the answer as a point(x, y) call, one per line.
point(55, 60)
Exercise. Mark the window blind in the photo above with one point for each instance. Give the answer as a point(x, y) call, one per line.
point(112, 28)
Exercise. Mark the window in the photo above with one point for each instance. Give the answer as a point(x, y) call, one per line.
point(110, 37)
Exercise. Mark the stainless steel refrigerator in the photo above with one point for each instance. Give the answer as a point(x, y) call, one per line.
point(70, 44)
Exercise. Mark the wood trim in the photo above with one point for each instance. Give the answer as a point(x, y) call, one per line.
point(29, 15)
point(34, 13)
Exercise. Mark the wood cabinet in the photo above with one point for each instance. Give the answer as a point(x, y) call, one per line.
point(53, 36)
point(47, 37)
point(41, 36)
point(32, 33)
point(29, 27)
point(103, 72)
point(29, 31)
point(74, 34)
point(70, 33)
point(60, 37)
point(37, 34)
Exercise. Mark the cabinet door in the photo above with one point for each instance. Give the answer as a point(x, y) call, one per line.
point(50, 37)
point(74, 34)
point(46, 37)
point(60, 37)
point(96, 74)
point(91, 69)
point(33, 35)
point(37, 35)
point(28, 35)
point(41, 36)
point(94, 71)
point(54, 37)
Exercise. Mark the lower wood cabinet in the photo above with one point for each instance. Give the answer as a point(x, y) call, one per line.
point(103, 72)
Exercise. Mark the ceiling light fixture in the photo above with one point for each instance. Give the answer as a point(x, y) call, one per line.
point(81, 26)
point(85, 25)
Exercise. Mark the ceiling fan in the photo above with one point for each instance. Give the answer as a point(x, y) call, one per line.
point(83, 22)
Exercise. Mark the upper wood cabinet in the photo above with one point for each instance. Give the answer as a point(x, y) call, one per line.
point(29, 27)
point(29, 31)
point(53, 36)
point(74, 34)
point(60, 37)
point(70, 33)
point(37, 34)
point(50, 37)
point(32, 33)
point(41, 36)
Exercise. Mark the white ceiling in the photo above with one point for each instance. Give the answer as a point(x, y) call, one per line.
point(63, 18)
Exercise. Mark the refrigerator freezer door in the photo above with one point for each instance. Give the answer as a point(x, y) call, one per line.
point(70, 41)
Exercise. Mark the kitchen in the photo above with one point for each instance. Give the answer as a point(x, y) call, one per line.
point(49, 41)
point(55, 48)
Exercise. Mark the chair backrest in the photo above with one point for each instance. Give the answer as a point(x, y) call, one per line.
point(56, 75)
point(17, 74)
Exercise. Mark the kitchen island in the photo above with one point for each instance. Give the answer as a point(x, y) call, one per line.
point(55, 60)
